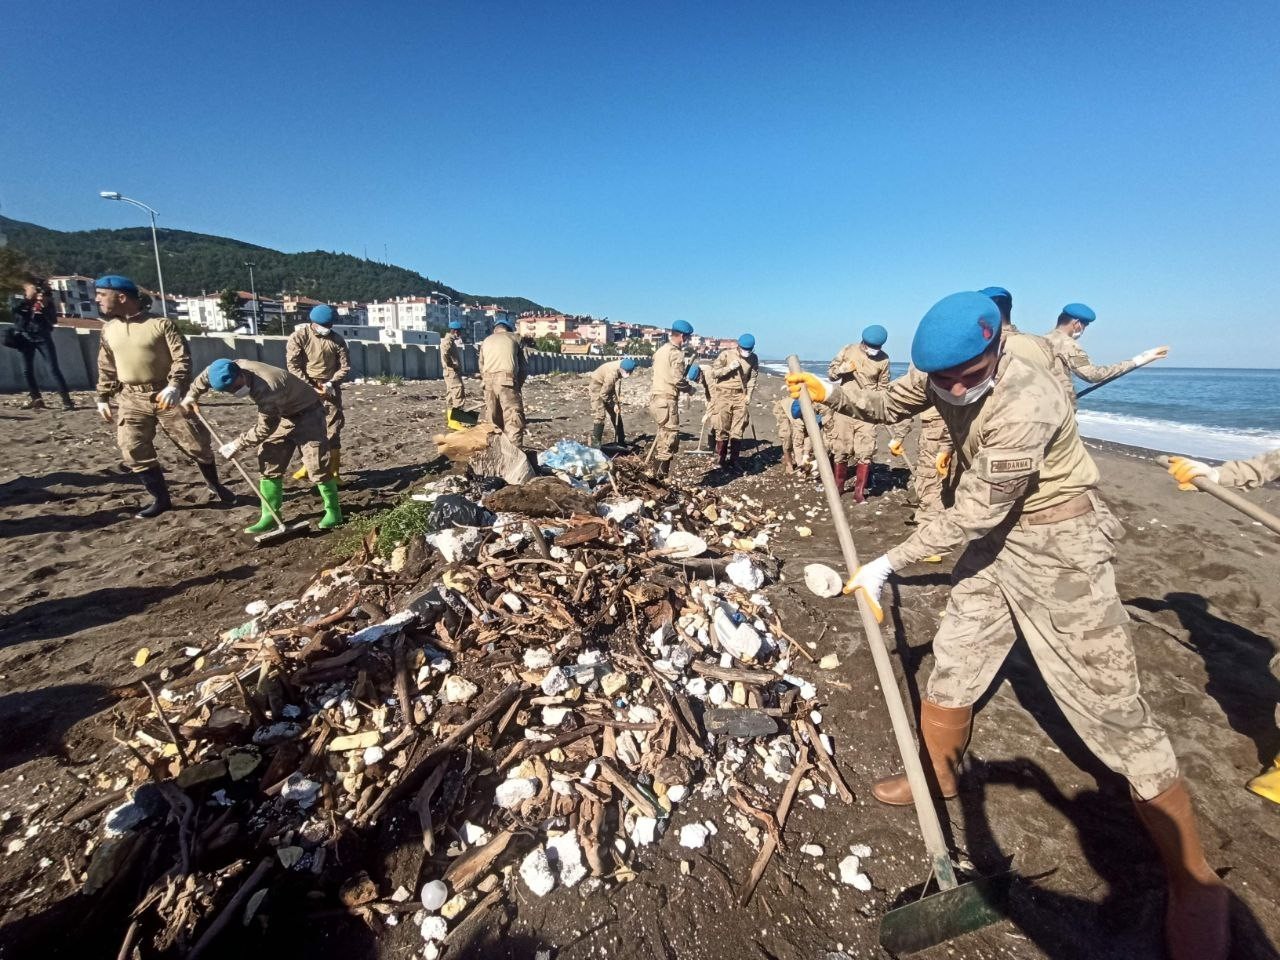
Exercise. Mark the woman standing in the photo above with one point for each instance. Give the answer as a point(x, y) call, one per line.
point(33, 321)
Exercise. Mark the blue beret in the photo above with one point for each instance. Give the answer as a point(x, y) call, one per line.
point(324, 315)
point(222, 373)
point(682, 326)
point(628, 364)
point(505, 322)
point(693, 372)
point(997, 294)
point(747, 341)
point(875, 336)
point(113, 281)
point(455, 324)
point(955, 330)
point(1078, 311)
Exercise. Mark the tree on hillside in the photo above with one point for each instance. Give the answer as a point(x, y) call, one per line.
point(13, 271)
point(229, 304)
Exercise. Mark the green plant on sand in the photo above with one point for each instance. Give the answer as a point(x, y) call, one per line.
point(395, 525)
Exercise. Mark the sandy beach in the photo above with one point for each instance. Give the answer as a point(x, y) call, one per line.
point(83, 585)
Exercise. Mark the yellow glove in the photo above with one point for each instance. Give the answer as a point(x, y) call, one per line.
point(1185, 470)
point(798, 381)
point(895, 447)
point(943, 463)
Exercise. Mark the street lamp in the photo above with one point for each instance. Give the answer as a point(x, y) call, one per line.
point(253, 290)
point(155, 243)
point(448, 313)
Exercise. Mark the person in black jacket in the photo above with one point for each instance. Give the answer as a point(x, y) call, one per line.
point(33, 320)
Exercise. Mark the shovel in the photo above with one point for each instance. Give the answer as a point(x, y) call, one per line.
point(1231, 499)
point(956, 908)
point(282, 530)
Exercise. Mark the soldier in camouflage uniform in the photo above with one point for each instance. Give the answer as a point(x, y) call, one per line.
point(1039, 543)
point(866, 366)
point(732, 382)
point(1069, 359)
point(792, 436)
point(1247, 475)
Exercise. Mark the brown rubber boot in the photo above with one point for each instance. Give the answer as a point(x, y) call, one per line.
point(722, 450)
point(842, 475)
point(735, 449)
point(1195, 923)
point(945, 732)
point(860, 474)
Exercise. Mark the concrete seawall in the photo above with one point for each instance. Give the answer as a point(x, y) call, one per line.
point(78, 358)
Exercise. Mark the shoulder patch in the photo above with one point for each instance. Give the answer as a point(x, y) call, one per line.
point(1021, 465)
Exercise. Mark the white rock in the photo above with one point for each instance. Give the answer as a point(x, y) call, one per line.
point(696, 687)
point(431, 951)
point(683, 546)
point(852, 875)
point(818, 800)
point(812, 849)
point(717, 694)
point(644, 831)
point(555, 682)
point(535, 871)
point(401, 895)
point(693, 835)
point(677, 792)
point(434, 894)
point(380, 630)
point(458, 689)
point(373, 755)
point(744, 573)
point(474, 834)
point(434, 929)
point(512, 602)
point(554, 716)
point(822, 580)
point(300, 790)
point(537, 658)
point(565, 856)
point(860, 850)
point(257, 608)
point(511, 793)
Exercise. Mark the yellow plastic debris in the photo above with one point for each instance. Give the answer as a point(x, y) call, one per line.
point(142, 656)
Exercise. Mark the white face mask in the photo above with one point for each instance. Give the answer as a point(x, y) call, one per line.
point(972, 395)
point(872, 352)
point(744, 352)
point(1077, 334)
point(320, 331)
point(242, 392)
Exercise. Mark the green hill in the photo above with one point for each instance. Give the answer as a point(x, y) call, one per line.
point(196, 262)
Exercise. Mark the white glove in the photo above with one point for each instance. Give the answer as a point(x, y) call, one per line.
point(1146, 356)
point(870, 578)
point(104, 410)
point(330, 390)
point(167, 397)
point(229, 450)
point(189, 403)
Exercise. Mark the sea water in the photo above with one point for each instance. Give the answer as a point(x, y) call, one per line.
point(1220, 414)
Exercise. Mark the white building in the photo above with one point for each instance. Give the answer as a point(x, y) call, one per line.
point(205, 312)
point(359, 331)
point(413, 313)
point(74, 296)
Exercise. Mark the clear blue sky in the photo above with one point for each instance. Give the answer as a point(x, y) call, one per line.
point(795, 169)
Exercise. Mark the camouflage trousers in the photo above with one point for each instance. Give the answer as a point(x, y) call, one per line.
point(137, 417)
point(863, 435)
point(305, 433)
point(666, 420)
point(605, 410)
point(334, 420)
point(729, 414)
point(504, 408)
point(793, 438)
point(928, 485)
point(1055, 583)
point(454, 393)
point(838, 435)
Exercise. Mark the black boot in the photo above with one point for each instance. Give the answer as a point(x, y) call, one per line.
point(597, 434)
point(67, 402)
point(216, 490)
point(153, 480)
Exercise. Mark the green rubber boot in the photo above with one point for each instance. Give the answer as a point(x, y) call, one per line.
point(597, 434)
point(332, 509)
point(271, 490)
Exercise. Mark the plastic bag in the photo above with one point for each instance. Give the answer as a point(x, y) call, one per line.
point(575, 459)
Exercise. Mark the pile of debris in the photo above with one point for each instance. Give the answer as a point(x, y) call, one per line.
point(531, 693)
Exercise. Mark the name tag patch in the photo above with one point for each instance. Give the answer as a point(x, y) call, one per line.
point(1011, 466)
